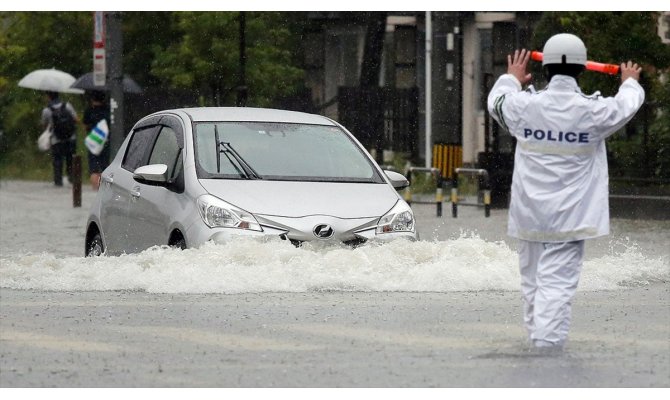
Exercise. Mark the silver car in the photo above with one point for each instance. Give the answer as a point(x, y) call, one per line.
point(184, 177)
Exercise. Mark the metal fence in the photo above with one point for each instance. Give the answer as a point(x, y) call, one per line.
point(381, 118)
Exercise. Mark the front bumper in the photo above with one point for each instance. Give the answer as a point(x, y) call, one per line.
point(299, 230)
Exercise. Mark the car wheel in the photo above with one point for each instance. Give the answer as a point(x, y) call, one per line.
point(95, 247)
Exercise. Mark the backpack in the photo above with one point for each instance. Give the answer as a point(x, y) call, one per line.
point(62, 122)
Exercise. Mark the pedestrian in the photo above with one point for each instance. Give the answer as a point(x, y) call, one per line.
point(60, 118)
point(560, 181)
point(96, 112)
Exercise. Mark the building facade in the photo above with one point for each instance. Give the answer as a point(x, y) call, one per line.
point(469, 51)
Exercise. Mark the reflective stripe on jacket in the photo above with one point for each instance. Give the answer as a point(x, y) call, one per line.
point(560, 180)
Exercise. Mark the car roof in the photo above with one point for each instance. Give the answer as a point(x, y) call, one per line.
point(250, 114)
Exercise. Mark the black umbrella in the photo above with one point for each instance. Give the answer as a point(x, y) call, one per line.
point(86, 82)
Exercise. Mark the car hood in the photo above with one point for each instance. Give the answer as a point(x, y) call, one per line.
point(300, 199)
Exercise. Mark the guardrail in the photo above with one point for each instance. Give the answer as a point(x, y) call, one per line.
point(439, 196)
point(484, 175)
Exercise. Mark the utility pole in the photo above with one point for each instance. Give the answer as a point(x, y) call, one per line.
point(429, 89)
point(242, 91)
point(115, 79)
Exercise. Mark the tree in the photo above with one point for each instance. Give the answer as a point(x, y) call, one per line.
point(615, 37)
point(145, 34)
point(660, 132)
point(30, 41)
point(192, 51)
point(206, 57)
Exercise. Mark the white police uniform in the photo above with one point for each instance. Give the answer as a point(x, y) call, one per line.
point(559, 186)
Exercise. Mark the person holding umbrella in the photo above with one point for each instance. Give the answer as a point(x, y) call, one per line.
point(96, 112)
point(60, 118)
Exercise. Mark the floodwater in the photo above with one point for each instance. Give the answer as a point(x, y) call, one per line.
point(42, 243)
point(441, 312)
point(467, 263)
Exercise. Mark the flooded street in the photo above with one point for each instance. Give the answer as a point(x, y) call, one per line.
point(441, 312)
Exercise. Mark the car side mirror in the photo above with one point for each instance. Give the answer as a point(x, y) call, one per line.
point(155, 174)
point(398, 181)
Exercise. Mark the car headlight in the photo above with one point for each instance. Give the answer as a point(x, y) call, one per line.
point(216, 213)
point(399, 219)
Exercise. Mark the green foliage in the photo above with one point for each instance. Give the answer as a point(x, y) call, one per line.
point(144, 35)
point(207, 56)
point(610, 37)
point(616, 37)
point(197, 51)
point(659, 140)
point(34, 40)
point(26, 162)
point(30, 41)
point(423, 183)
point(647, 154)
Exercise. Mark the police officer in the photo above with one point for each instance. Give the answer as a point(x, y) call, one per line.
point(560, 180)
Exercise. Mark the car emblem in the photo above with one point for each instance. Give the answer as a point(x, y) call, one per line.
point(323, 231)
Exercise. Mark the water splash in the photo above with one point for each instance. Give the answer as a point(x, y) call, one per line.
point(252, 266)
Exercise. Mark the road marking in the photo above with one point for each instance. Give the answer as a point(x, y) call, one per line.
point(218, 339)
point(57, 343)
point(382, 336)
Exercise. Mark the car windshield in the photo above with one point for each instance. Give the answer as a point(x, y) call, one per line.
point(279, 151)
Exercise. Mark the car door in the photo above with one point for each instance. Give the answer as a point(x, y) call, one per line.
point(123, 227)
point(154, 205)
point(114, 212)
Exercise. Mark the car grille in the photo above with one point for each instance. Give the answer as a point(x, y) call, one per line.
point(351, 243)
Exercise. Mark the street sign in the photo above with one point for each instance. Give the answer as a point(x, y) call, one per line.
point(99, 56)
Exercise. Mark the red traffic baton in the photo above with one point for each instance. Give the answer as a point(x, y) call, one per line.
point(610, 69)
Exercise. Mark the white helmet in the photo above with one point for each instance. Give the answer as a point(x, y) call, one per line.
point(564, 48)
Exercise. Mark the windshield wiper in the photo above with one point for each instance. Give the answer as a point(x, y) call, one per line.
point(218, 158)
point(249, 172)
point(246, 171)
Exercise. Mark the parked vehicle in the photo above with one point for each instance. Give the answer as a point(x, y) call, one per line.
point(184, 177)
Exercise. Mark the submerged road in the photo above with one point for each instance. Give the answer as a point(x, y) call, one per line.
point(460, 339)
point(619, 338)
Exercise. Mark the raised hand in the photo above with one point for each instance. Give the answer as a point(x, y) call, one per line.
point(630, 70)
point(516, 65)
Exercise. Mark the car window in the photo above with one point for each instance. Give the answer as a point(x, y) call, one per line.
point(166, 151)
point(139, 148)
point(281, 151)
point(176, 125)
